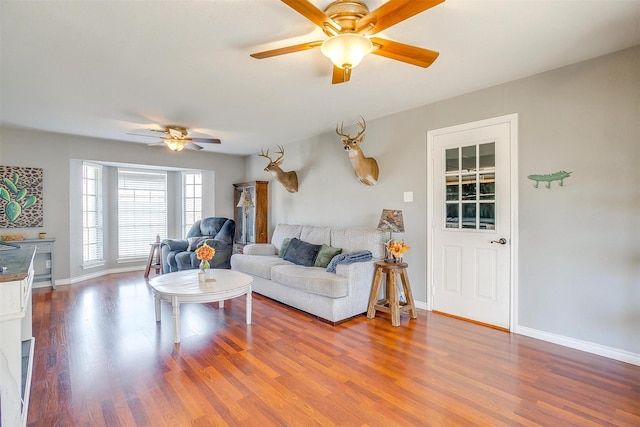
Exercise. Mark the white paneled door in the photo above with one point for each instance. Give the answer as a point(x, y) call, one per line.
point(470, 216)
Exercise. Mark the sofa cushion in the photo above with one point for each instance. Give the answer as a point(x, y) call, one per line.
point(195, 242)
point(311, 279)
point(357, 239)
point(226, 232)
point(301, 253)
point(259, 249)
point(258, 265)
point(283, 248)
point(283, 231)
point(316, 235)
point(212, 225)
point(325, 255)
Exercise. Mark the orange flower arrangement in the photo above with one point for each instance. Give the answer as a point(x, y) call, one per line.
point(397, 248)
point(205, 253)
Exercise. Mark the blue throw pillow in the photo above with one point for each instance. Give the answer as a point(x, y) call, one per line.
point(301, 253)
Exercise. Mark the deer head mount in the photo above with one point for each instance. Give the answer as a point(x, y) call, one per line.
point(366, 168)
point(289, 180)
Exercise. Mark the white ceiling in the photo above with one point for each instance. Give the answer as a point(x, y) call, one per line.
point(105, 68)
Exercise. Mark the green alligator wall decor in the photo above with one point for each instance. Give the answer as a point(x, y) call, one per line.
point(548, 178)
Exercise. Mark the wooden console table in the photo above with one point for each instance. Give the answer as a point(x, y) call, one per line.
point(43, 260)
point(391, 302)
point(16, 340)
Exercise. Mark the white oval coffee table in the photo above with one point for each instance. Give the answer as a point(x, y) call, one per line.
point(183, 286)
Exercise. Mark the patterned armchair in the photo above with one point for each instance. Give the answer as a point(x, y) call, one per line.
point(179, 254)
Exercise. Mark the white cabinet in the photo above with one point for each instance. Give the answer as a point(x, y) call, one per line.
point(16, 340)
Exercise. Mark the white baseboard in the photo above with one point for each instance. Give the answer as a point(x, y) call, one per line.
point(97, 274)
point(43, 284)
point(421, 305)
point(589, 347)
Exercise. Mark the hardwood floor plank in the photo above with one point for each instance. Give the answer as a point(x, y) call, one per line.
point(101, 359)
point(138, 412)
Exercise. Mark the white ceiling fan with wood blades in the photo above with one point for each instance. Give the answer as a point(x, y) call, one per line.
point(350, 25)
point(177, 138)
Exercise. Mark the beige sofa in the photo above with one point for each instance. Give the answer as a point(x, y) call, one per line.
point(333, 297)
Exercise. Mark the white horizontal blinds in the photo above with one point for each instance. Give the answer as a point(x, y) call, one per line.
point(192, 199)
point(92, 215)
point(142, 210)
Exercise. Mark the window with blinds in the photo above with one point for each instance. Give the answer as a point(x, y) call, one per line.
point(92, 215)
point(191, 200)
point(142, 210)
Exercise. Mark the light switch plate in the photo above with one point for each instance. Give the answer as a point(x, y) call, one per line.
point(408, 196)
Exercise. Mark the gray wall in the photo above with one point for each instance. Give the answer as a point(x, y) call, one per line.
point(579, 252)
point(60, 157)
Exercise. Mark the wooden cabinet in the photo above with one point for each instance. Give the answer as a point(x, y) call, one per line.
point(256, 216)
point(16, 340)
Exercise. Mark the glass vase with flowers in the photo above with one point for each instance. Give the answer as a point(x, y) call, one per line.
point(205, 253)
point(396, 249)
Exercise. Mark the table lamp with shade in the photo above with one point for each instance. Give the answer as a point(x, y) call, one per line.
point(245, 203)
point(391, 220)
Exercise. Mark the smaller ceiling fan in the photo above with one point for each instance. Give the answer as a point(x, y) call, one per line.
point(176, 138)
point(350, 25)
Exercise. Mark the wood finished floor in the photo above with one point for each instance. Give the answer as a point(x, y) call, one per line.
point(101, 360)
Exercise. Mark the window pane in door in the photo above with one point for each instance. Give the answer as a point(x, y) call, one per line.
point(487, 216)
point(469, 187)
point(453, 220)
point(488, 186)
point(487, 155)
point(468, 215)
point(452, 163)
point(469, 158)
point(453, 188)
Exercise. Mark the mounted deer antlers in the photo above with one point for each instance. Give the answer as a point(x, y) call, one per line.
point(288, 179)
point(366, 168)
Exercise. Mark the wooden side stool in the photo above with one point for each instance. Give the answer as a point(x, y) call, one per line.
point(391, 302)
point(154, 260)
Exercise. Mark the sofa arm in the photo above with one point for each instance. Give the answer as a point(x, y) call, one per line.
point(259, 249)
point(357, 271)
point(359, 276)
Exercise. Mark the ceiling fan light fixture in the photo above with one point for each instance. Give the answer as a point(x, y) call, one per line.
point(175, 144)
point(346, 50)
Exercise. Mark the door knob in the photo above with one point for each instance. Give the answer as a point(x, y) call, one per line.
point(501, 240)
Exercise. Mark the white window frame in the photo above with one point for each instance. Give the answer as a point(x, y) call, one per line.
point(142, 211)
point(92, 216)
point(191, 199)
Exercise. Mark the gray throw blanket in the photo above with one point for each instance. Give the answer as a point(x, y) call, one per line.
point(348, 258)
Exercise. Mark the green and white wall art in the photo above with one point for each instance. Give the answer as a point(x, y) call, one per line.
point(20, 197)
